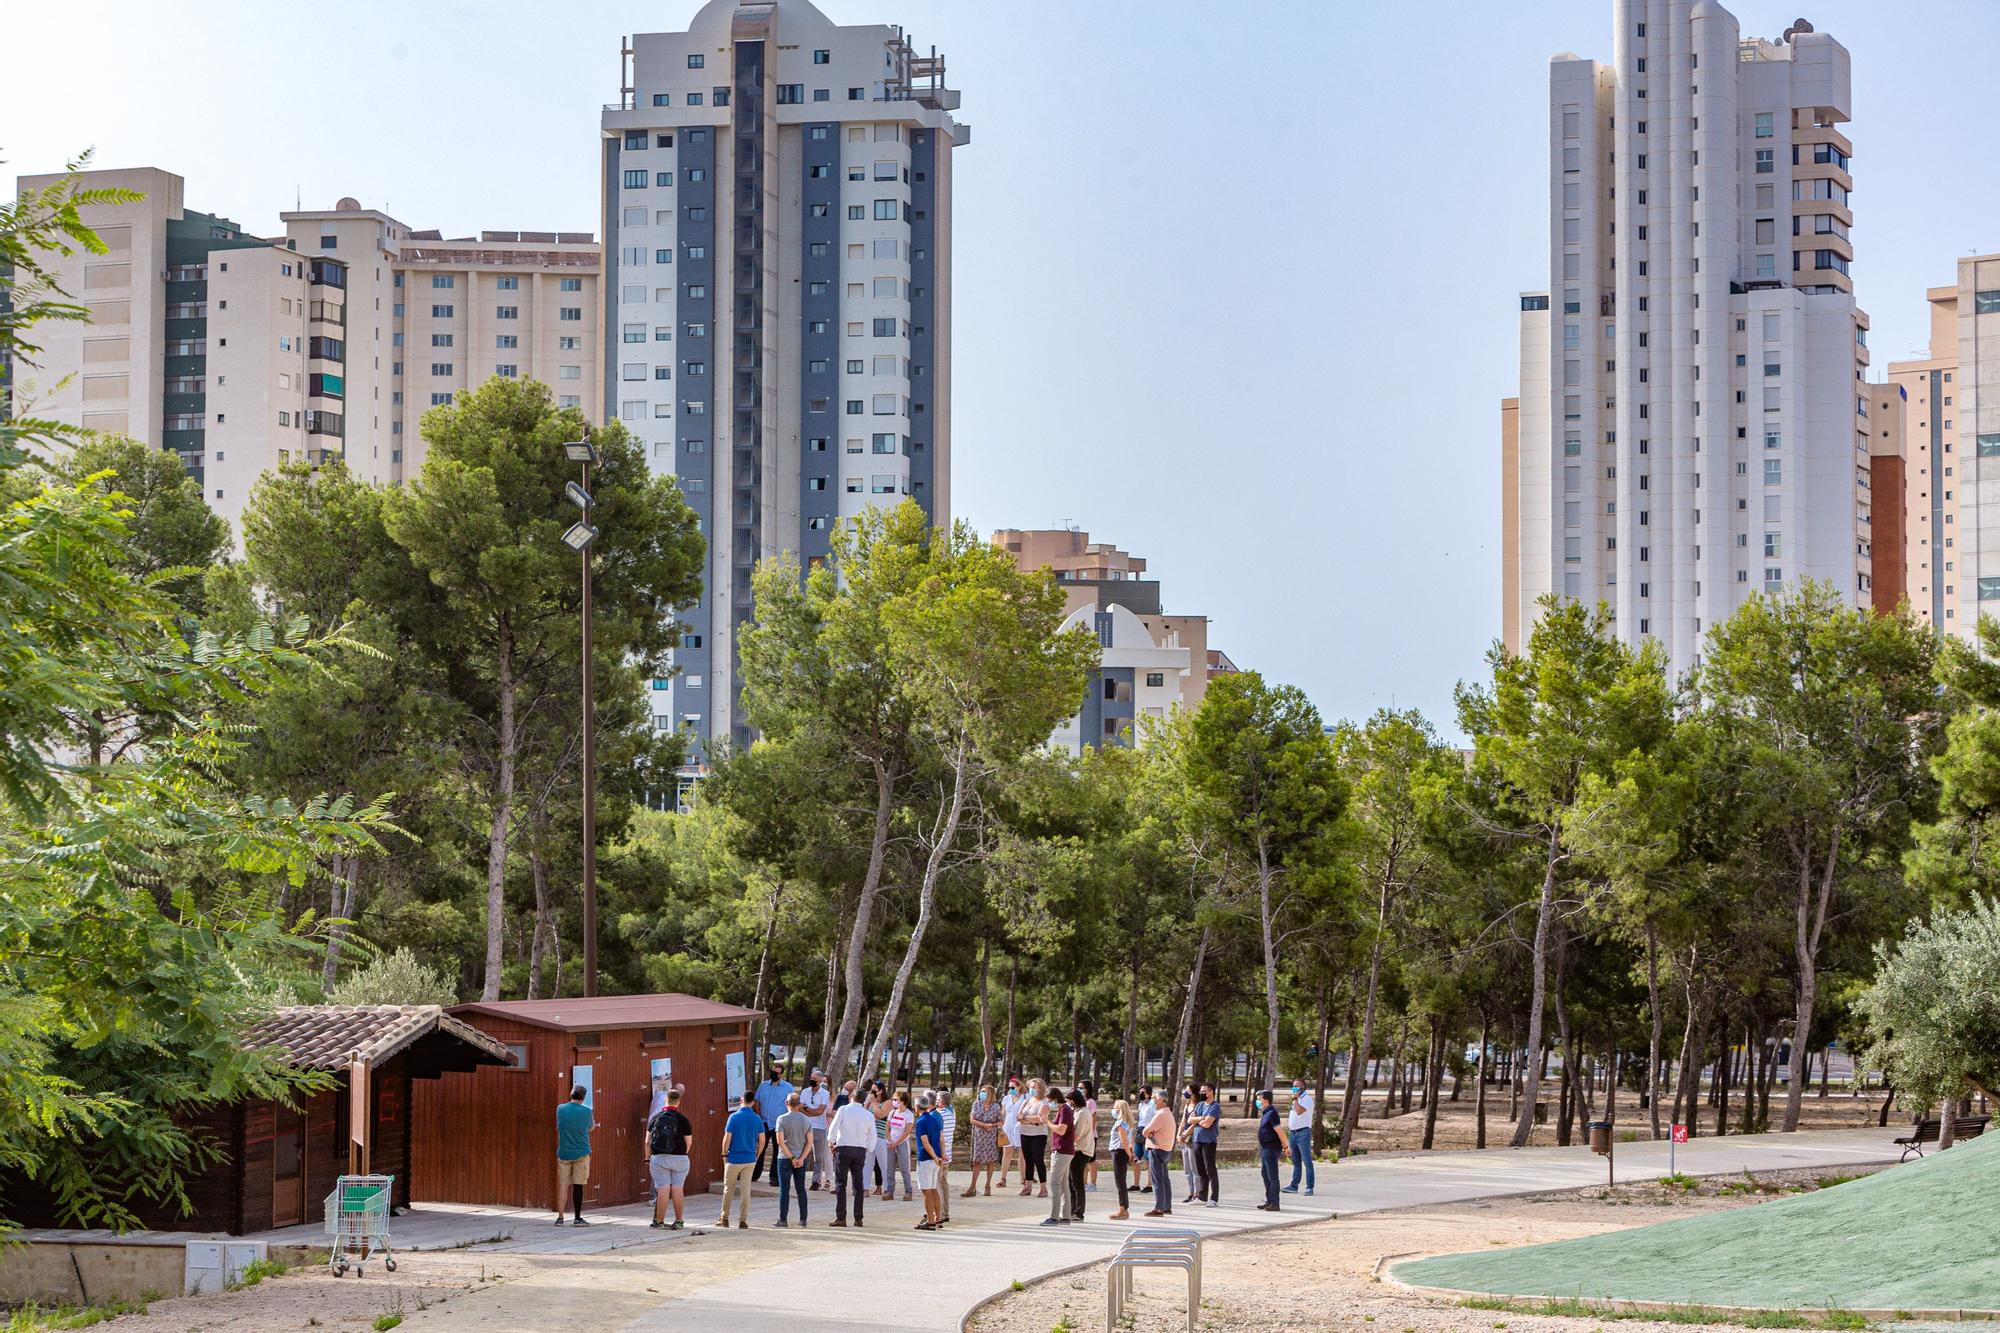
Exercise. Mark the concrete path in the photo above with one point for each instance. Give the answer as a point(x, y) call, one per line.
point(857, 1279)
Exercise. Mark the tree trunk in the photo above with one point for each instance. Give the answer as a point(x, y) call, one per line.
point(1350, 1111)
point(1567, 1086)
point(760, 1049)
point(1436, 1064)
point(346, 888)
point(1656, 1027)
point(1809, 923)
point(539, 871)
point(1170, 1080)
point(1319, 1071)
point(1130, 1050)
point(1825, 1069)
point(829, 1003)
point(1479, 1089)
point(858, 930)
point(985, 1015)
point(1264, 876)
point(1888, 1100)
point(1539, 988)
point(1007, 1055)
point(1722, 1077)
point(503, 813)
point(961, 780)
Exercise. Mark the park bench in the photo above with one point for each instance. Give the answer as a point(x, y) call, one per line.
point(1928, 1129)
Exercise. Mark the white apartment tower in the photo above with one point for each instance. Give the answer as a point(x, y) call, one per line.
point(1693, 423)
point(777, 244)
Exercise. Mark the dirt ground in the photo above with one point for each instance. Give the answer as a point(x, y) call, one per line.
point(1322, 1274)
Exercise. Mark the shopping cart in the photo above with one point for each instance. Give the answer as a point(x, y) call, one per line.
point(357, 1219)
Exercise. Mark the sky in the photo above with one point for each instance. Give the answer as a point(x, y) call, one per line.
point(1235, 284)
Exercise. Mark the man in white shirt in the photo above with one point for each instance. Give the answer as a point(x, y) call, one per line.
point(1299, 1133)
point(815, 1103)
point(852, 1137)
point(949, 1116)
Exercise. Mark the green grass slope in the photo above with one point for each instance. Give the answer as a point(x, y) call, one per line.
point(1925, 1236)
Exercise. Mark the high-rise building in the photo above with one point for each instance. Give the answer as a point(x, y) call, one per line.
point(1888, 497)
point(241, 352)
point(432, 316)
point(1153, 663)
point(222, 346)
point(1692, 422)
point(1953, 398)
point(777, 223)
point(1933, 407)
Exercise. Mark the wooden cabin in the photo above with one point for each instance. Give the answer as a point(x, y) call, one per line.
point(489, 1135)
point(279, 1162)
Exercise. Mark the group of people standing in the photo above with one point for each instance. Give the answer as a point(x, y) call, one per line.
point(855, 1143)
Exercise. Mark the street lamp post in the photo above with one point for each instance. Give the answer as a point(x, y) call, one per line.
point(578, 538)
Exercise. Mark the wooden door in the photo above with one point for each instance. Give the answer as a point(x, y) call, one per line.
point(288, 1173)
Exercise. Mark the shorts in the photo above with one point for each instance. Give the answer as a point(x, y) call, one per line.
point(669, 1169)
point(573, 1172)
point(927, 1174)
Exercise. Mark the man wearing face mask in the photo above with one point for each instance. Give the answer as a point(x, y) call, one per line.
point(1298, 1131)
point(816, 1104)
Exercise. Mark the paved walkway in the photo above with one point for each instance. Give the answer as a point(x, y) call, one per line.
point(829, 1279)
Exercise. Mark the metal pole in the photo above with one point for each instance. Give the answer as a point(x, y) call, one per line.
point(589, 781)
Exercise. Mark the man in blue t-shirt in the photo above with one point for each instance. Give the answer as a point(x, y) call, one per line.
point(1207, 1121)
point(574, 1122)
point(930, 1162)
point(743, 1137)
point(771, 1096)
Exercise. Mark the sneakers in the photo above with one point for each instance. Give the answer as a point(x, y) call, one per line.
point(1289, 1189)
point(578, 1222)
point(1052, 1221)
point(674, 1225)
point(562, 1221)
point(1213, 1203)
point(780, 1222)
point(1309, 1192)
point(1153, 1212)
point(658, 1225)
point(743, 1224)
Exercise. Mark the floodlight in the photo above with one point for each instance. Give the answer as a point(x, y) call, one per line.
point(579, 536)
point(577, 495)
point(580, 451)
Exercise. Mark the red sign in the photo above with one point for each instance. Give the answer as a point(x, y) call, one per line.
point(1680, 1133)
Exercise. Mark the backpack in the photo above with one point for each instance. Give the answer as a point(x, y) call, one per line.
point(664, 1137)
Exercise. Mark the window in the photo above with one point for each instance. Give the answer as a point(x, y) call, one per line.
point(697, 291)
point(634, 333)
point(569, 344)
point(883, 443)
point(822, 57)
point(1988, 446)
point(632, 409)
point(1986, 303)
point(636, 178)
point(571, 284)
point(569, 372)
point(697, 367)
point(1155, 679)
point(1765, 128)
point(663, 372)
point(441, 312)
point(887, 210)
point(694, 99)
point(439, 399)
point(697, 252)
point(633, 370)
point(822, 94)
point(444, 281)
point(507, 372)
point(694, 62)
point(664, 179)
point(855, 365)
point(856, 212)
point(854, 406)
point(507, 312)
point(885, 328)
point(663, 99)
point(881, 485)
point(815, 289)
point(884, 405)
point(1774, 471)
point(791, 94)
point(632, 255)
point(441, 368)
point(816, 445)
point(440, 340)
point(855, 94)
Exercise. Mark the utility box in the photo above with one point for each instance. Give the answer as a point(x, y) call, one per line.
point(213, 1264)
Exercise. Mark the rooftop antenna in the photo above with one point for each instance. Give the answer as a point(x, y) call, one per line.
point(298, 199)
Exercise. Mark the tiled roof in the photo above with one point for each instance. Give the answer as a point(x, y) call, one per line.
point(612, 1011)
point(328, 1036)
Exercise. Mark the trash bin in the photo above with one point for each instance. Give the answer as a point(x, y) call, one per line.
point(1600, 1137)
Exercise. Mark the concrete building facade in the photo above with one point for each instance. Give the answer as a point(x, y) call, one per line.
point(777, 223)
point(242, 353)
point(1692, 418)
point(1162, 660)
point(1937, 540)
point(222, 346)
